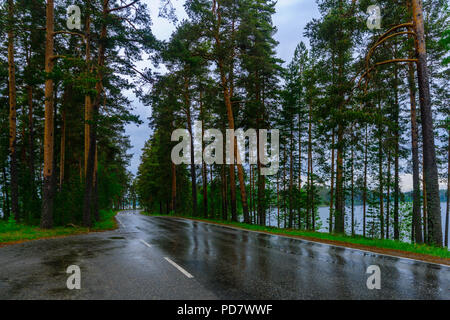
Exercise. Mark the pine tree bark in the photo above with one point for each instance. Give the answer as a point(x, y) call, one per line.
point(12, 114)
point(340, 196)
point(63, 148)
point(187, 102)
point(204, 169)
point(88, 111)
point(313, 211)
point(380, 174)
point(31, 138)
point(330, 221)
point(224, 189)
point(213, 190)
point(310, 206)
point(205, 190)
point(339, 207)
point(429, 150)
point(173, 206)
point(284, 192)
point(95, 191)
point(416, 224)
point(5, 208)
point(425, 206)
point(396, 156)
point(261, 187)
point(353, 190)
point(388, 196)
point(291, 181)
point(251, 203)
point(47, 198)
point(278, 202)
point(448, 192)
point(365, 182)
point(396, 189)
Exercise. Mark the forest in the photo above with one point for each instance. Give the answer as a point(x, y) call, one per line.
point(357, 109)
point(64, 147)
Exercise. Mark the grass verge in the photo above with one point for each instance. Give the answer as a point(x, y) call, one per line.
point(390, 247)
point(10, 232)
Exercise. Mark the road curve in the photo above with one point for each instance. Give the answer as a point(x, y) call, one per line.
point(168, 258)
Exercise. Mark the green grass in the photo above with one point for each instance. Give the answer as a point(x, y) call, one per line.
point(12, 232)
point(358, 240)
point(107, 221)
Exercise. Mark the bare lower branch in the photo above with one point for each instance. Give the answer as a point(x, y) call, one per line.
point(367, 72)
point(123, 7)
point(69, 32)
point(383, 40)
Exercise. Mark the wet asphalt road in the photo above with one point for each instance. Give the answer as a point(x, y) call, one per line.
point(166, 258)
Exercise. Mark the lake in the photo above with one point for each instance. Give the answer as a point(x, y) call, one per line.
point(324, 214)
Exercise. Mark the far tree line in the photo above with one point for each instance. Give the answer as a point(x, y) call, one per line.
point(64, 109)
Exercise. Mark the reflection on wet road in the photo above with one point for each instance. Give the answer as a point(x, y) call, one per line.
point(167, 258)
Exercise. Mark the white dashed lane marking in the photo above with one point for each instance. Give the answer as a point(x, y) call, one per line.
point(148, 245)
point(187, 274)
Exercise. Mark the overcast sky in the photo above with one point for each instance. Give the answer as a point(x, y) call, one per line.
point(290, 19)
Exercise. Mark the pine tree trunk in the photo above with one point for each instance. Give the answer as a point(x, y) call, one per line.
point(299, 209)
point(255, 212)
point(313, 211)
point(416, 223)
point(233, 193)
point(340, 195)
point(88, 107)
point(89, 181)
point(448, 192)
point(425, 207)
point(396, 189)
point(12, 114)
point(174, 189)
point(397, 157)
point(47, 198)
point(291, 181)
point(299, 155)
point(187, 102)
point(224, 189)
point(31, 139)
point(251, 194)
point(278, 202)
point(339, 210)
point(205, 190)
point(365, 184)
point(5, 208)
point(310, 206)
point(213, 195)
point(353, 190)
point(380, 174)
point(388, 196)
point(204, 169)
point(284, 189)
point(429, 150)
point(95, 191)
point(330, 222)
point(63, 148)
point(260, 197)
